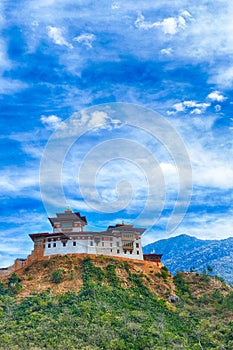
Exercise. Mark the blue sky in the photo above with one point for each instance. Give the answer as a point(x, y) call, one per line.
point(58, 58)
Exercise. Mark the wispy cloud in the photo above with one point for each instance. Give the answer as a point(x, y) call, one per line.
point(192, 106)
point(56, 35)
point(85, 39)
point(167, 51)
point(58, 57)
point(18, 182)
point(51, 121)
point(170, 25)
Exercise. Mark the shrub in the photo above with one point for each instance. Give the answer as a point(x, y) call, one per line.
point(164, 273)
point(72, 275)
point(57, 276)
point(181, 285)
point(14, 285)
point(46, 263)
point(91, 273)
point(2, 289)
point(112, 276)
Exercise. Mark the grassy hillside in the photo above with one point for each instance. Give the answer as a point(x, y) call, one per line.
point(106, 303)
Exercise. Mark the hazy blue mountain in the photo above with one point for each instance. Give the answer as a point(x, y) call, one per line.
point(184, 252)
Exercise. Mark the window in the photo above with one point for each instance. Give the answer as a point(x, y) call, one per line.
point(131, 252)
point(54, 245)
point(137, 245)
point(137, 252)
point(118, 244)
point(124, 251)
point(111, 250)
point(67, 225)
point(49, 245)
point(49, 239)
point(110, 244)
point(91, 243)
point(74, 244)
point(102, 244)
point(64, 244)
point(118, 251)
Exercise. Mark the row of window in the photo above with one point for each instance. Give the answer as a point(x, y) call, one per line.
point(131, 252)
point(74, 244)
point(128, 235)
point(80, 237)
point(91, 243)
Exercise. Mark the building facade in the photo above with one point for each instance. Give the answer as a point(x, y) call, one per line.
point(69, 237)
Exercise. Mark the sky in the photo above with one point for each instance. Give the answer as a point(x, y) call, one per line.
point(121, 110)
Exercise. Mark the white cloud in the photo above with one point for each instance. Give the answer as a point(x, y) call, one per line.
point(186, 14)
point(115, 6)
point(211, 167)
point(193, 106)
point(20, 182)
point(208, 226)
point(56, 35)
point(181, 22)
point(8, 86)
point(223, 77)
point(166, 51)
point(52, 121)
point(169, 25)
point(98, 119)
point(15, 242)
point(83, 121)
point(86, 38)
point(209, 152)
point(141, 24)
point(216, 175)
point(179, 107)
point(216, 96)
point(203, 226)
point(196, 111)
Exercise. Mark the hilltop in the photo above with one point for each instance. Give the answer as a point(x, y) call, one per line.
point(38, 277)
point(182, 253)
point(99, 302)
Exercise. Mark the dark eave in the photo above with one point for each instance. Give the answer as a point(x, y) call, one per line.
point(69, 217)
point(83, 218)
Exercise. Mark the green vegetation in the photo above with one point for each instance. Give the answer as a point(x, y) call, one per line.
point(57, 276)
point(105, 315)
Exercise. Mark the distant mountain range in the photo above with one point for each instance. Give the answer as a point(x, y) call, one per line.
point(182, 253)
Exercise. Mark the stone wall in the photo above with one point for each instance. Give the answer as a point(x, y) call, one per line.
point(37, 254)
